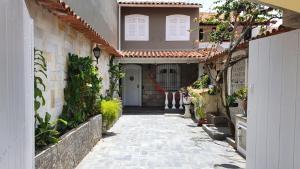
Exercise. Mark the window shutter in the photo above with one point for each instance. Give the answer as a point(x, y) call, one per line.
point(136, 27)
point(177, 27)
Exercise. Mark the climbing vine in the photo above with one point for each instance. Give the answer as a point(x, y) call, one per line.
point(116, 74)
point(45, 131)
point(82, 91)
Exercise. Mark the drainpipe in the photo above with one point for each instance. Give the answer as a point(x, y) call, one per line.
point(119, 20)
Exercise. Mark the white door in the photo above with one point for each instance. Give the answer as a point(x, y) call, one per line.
point(132, 93)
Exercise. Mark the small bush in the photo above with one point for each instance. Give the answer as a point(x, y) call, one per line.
point(110, 110)
point(202, 83)
point(45, 132)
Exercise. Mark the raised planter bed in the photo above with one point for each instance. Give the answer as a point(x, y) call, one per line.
point(216, 133)
point(72, 147)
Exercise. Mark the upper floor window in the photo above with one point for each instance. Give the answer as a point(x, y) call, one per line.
point(177, 28)
point(136, 27)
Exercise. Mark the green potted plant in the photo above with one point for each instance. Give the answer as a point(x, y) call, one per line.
point(202, 83)
point(231, 100)
point(242, 94)
point(110, 110)
point(199, 108)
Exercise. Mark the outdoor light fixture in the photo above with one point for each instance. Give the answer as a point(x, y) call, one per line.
point(97, 52)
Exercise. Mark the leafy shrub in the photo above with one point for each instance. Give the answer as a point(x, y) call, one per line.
point(40, 68)
point(231, 100)
point(202, 83)
point(45, 132)
point(242, 93)
point(81, 92)
point(115, 75)
point(110, 110)
point(198, 101)
point(212, 90)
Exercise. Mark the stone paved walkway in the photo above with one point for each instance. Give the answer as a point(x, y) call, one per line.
point(160, 142)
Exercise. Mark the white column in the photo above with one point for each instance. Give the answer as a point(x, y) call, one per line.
point(16, 86)
point(180, 101)
point(166, 101)
point(173, 101)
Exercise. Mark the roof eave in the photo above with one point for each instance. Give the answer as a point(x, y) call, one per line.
point(160, 5)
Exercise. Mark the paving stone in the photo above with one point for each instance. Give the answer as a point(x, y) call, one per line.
point(159, 141)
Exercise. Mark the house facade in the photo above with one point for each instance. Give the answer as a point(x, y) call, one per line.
point(160, 55)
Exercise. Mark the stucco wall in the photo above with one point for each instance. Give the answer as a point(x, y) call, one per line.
point(101, 14)
point(157, 28)
point(56, 39)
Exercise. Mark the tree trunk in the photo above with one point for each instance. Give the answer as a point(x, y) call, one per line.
point(227, 110)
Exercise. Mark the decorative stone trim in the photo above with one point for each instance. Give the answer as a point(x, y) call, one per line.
point(72, 147)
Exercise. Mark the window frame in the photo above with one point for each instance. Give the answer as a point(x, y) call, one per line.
point(136, 37)
point(188, 26)
point(172, 83)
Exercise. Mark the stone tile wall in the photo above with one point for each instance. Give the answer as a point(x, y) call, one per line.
point(72, 147)
point(56, 39)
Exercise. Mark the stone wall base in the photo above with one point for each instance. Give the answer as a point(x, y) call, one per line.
point(72, 147)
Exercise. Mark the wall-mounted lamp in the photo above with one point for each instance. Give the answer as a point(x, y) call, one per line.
point(97, 53)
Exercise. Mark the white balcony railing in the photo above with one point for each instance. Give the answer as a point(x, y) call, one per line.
point(178, 102)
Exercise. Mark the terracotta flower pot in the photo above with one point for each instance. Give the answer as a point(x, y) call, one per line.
point(201, 122)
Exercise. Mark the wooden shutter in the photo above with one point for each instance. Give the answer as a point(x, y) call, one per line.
point(177, 27)
point(136, 28)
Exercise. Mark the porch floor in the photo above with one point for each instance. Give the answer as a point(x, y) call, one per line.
point(160, 141)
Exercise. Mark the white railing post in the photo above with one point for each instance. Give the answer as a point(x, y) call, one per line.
point(180, 101)
point(166, 101)
point(173, 101)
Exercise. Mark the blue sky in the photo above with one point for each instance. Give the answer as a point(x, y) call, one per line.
point(207, 4)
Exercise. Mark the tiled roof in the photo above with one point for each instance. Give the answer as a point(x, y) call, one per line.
point(66, 14)
point(198, 54)
point(244, 45)
point(160, 2)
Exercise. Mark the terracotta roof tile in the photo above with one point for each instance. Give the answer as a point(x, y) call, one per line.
point(199, 54)
point(66, 14)
point(244, 45)
point(159, 2)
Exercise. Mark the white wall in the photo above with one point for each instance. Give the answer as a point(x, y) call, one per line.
point(273, 138)
point(16, 86)
point(56, 39)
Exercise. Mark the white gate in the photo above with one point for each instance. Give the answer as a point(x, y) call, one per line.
point(273, 136)
point(16, 86)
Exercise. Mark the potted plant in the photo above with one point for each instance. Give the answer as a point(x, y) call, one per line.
point(201, 114)
point(242, 94)
point(186, 100)
point(199, 108)
point(231, 100)
point(110, 110)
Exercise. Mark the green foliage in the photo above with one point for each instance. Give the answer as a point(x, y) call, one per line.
point(198, 101)
point(231, 99)
point(242, 93)
point(110, 110)
point(81, 92)
point(239, 13)
point(202, 83)
point(40, 68)
point(212, 91)
point(45, 132)
point(239, 94)
point(115, 75)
